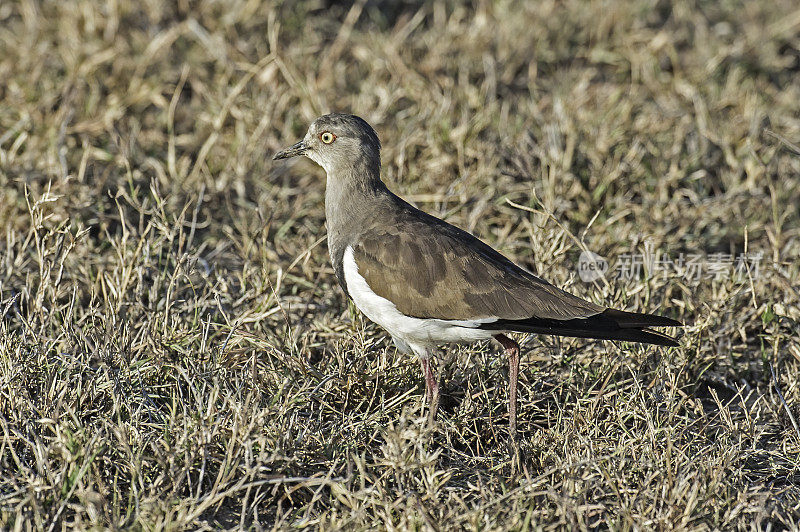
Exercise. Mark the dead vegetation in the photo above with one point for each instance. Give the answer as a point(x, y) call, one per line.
point(174, 350)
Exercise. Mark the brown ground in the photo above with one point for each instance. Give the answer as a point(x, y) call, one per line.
point(174, 350)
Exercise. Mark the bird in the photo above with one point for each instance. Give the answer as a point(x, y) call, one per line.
point(429, 283)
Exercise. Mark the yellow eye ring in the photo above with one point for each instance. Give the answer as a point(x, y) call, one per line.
point(327, 137)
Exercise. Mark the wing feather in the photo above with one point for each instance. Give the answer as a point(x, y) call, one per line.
point(431, 269)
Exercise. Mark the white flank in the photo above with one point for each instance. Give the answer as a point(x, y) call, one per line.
point(417, 332)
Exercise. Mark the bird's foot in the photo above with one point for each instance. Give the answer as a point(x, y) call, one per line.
point(511, 348)
point(431, 387)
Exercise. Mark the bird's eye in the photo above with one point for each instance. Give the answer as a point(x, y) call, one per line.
point(327, 137)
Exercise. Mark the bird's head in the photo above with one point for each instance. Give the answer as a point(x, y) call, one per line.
point(338, 142)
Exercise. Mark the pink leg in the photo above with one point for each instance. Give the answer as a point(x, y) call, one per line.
point(431, 385)
point(512, 350)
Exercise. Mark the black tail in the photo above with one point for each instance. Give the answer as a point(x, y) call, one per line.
point(608, 325)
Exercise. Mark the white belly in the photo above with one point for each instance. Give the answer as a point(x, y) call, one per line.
point(414, 331)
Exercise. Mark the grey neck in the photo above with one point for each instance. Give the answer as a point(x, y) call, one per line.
point(350, 191)
point(352, 195)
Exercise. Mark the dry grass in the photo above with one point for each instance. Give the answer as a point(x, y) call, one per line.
point(174, 350)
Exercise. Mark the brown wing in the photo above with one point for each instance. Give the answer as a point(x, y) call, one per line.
point(431, 269)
